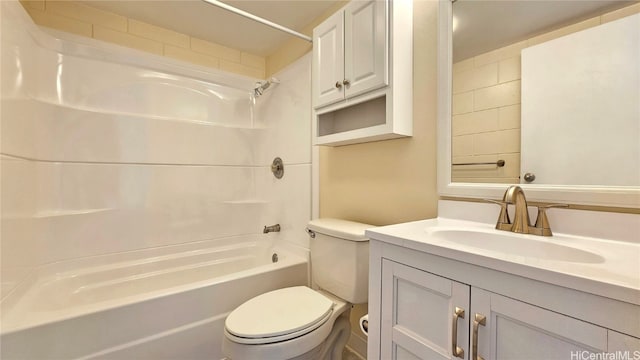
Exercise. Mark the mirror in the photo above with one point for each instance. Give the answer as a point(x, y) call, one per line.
point(489, 68)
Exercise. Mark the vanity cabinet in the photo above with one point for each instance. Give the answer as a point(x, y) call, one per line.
point(435, 308)
point(362, 73)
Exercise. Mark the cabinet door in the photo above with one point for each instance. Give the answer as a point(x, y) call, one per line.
point(417, 314)
point(516, 330)
point(365, 53)
point(328, 61)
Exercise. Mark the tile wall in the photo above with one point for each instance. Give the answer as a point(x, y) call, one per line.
point(81, 19)
point(486, 106)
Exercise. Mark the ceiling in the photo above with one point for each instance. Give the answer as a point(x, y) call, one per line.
point(484, 25)
point(205, 21)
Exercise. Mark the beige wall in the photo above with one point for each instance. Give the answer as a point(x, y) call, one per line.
point(80, 19)
point(486, 106)
point(391, 181)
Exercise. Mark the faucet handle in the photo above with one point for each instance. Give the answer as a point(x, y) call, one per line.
point(503, 223)
point(542, 226)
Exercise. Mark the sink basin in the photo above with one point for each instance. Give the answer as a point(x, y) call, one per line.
point(515, 244)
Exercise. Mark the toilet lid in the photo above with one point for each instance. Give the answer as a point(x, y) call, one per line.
point(279, 313)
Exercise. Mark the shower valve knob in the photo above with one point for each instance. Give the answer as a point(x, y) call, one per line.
point(338, 85)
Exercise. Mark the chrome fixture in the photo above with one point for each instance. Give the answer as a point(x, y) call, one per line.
point(272, 228)
point(262, 86)
point(521, 223)
point(277, 168)
point(264, 21)
point(311, 233)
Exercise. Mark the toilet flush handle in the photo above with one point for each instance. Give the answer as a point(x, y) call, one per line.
point(311, 233)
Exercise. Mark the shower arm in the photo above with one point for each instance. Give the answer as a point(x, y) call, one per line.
point(258, 19)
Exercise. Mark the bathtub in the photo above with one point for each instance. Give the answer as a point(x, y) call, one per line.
point(169, 302)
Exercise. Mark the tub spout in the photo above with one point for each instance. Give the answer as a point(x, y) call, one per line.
point(272, 228)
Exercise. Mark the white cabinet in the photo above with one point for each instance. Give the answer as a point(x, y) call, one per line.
point(427, 307)
point(416, 313)
point(362, 73)
point(350, 52)
point(516, 330)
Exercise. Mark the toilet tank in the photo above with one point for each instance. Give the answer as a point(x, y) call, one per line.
point(340, 258)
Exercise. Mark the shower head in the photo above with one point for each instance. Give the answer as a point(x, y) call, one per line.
point(262, 86)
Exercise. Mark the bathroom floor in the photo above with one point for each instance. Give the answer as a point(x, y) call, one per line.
point(348, 354)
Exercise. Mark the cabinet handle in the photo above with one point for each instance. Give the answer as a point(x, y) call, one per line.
point(346, 82)
point(338, 85)
point(457, 351)
point(479, 320)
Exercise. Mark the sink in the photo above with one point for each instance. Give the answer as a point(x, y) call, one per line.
point(515, 244)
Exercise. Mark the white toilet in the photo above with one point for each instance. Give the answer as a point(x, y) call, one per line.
point(301, 323)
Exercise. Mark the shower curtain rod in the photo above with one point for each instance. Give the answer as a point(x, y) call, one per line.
point(258, 19)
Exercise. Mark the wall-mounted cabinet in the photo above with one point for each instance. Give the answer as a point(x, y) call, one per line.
point(362, 73)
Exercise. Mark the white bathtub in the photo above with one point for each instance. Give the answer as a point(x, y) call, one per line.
point(169, 302)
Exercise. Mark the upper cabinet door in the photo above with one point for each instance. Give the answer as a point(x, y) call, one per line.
point(365, 61)
point(328, 61)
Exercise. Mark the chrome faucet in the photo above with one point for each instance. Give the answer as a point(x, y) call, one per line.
point(521, 223)
point(272, 228)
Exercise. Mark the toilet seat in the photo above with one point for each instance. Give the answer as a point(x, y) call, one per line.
point(278, 315)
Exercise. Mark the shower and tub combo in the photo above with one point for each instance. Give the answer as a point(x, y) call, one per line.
point(135, 191)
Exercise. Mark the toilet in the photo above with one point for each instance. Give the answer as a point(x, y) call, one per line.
point(299, 322)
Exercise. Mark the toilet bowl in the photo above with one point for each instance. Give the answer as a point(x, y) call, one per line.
point(299, 323)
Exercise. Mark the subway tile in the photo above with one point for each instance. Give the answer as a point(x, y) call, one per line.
point(486, 143)
point(485, 75)
point(88, 14)
point(511, 167)
point(60, 22)
point(241, 69)
point(179, 53)
point(462, 103)
point(503, 141)
point(621, 13)
point(497, 96)
point(510, 141)
point(475, 122)
point(157, 33)
point(509, 69)
point(589, 23)
point(128, 40)
point(461, 145)
point(255, 61)
point(509, 117)
point(216, 50)
point(463, 65)
point(462, 81)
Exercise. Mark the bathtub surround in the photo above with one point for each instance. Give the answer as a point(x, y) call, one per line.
point(85, 20)
point(121, 152)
